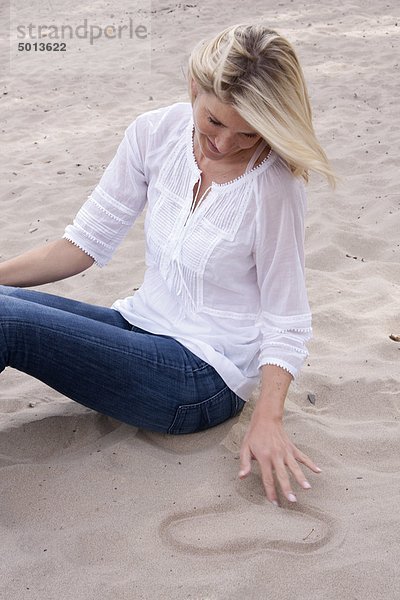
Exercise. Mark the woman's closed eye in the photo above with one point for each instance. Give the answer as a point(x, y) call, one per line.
point(250, 135)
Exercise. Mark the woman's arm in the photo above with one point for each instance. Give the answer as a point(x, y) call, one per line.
point(285, 328)
point(268, 443)
point(45, 264)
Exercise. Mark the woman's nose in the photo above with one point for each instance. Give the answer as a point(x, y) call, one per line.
point(224, 142)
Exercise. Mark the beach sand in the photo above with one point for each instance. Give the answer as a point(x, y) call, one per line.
point(91, 508)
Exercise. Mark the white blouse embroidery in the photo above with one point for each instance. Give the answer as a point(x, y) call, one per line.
point(226, 279)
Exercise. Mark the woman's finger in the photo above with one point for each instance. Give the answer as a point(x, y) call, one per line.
point(245, 460)
point(305, 460)
point(283, 479)
point(297, 472)
point(268, 481)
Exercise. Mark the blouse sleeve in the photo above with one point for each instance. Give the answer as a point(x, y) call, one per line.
point(285, 318)
point(120, 196)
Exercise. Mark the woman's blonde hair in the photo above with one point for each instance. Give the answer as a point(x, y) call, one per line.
point(256, 71)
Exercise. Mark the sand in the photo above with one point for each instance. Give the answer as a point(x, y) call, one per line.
point(91, 508)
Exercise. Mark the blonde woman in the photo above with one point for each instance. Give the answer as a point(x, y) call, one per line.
point(223, 305)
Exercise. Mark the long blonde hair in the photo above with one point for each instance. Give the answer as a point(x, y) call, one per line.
point(256, 71)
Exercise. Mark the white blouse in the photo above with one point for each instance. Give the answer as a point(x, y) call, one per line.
point(225, 280)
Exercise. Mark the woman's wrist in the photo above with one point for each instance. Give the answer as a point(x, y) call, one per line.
point(275, 383)
point(267, 412)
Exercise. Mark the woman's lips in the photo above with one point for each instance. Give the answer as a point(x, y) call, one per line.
point(212, 147)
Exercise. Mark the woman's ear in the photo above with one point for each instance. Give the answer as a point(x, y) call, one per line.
point(193, 88)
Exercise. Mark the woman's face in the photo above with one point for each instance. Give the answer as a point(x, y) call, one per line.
point(221, 132)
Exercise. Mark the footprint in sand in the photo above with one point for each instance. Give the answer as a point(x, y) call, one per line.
point(248, 523)
point(233, 529)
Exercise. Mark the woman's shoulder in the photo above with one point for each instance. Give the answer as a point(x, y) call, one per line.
point(279, 192)
point(159, 121)
point(279, 177)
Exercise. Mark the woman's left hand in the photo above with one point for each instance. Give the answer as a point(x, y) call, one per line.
point(267, 442)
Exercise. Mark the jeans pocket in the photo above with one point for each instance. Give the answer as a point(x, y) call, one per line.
point(190, 418)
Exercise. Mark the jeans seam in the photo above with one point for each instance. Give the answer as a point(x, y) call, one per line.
point(186, 370)
point(202, 368)
point(187, 408)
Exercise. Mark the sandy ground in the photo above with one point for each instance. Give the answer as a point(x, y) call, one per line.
point(94, 509)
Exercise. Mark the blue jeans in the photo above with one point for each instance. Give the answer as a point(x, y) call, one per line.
point(92, 355)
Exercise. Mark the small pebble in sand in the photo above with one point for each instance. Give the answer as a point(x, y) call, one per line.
point(395, 338)
point(311, 398)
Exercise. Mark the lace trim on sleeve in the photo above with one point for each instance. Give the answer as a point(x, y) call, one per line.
point(284, 340)
point(280, 363)
point(68, 237)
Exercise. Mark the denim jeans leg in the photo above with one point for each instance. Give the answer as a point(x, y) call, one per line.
point(137, 377)
point(92, 311)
